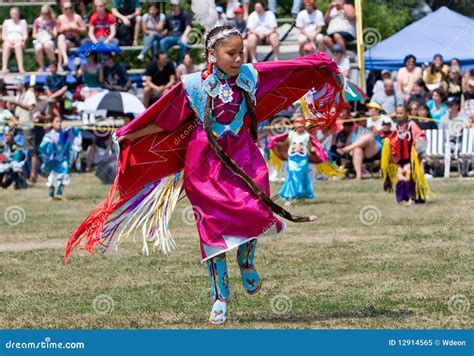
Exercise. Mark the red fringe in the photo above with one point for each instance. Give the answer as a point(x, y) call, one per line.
point(91, 228)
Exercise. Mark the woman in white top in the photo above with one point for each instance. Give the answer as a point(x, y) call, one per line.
point(407, 76)
point(153, 24)
point(45, 31)
point(340, 18)
point(14, 36)
point(261, 26)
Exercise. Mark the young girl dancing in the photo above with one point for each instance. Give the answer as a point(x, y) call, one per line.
point(201, 135)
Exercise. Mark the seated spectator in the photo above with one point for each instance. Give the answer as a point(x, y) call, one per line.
point(177, 28)
point(454, 82)
point(12, 160)
point(160, 76)
point(425, 124)
point(310, 22)
point(5, 114)
point(437, 105)
point(455, 62)
point(342, 60)
point(407, 76)
point(468, 100)
point(240, 24)
point(55, 84)
point(102, 25)
point(70, 27)
point(221, 17)
point(412, 108)
point(127, 13)
point(187, 67)
point(454, 120)
point(113, 75)
point(421, 94)
point(389, 99)
point(89, 75)
point(14, 37)
point(340, 18)
point(153, 23)
point(378, 86)
point(44, 34)
point(435, 75)
point(366, 143)
point(261, 27)
point(233, 4)
point(343, 139)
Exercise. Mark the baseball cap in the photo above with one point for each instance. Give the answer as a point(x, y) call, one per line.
point(174, 2)
point(452, 100)
point(386, 120)
point(238, 10)
point(309, 2)
point(219, 10)
point(337, 48)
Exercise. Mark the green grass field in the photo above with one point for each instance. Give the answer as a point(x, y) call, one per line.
point(367, 263)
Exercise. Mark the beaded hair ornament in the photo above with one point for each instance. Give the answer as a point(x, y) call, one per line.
point(221, 35)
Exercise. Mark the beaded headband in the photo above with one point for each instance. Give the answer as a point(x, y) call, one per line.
point(221, 35)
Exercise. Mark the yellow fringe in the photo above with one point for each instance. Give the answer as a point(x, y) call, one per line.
point(423, 190)
point(329, 169)
point(154, 213)
point(389, 169)
point(276, 162)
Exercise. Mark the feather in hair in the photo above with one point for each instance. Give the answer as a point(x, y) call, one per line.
point(205, 12)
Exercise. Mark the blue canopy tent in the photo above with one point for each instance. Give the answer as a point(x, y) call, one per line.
point(443, 31)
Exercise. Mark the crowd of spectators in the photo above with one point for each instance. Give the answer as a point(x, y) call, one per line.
point(436, 95)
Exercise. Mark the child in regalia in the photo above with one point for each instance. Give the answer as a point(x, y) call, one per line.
point(298, 184)
point(56, 149)
point(201, 136)
point(400, 162)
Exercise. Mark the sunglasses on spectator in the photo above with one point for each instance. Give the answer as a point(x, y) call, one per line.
point(68, 8)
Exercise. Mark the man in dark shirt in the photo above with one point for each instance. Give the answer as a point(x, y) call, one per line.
point(114, 75)
point(177, 28)
point(160, 76)
point(55, 84)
